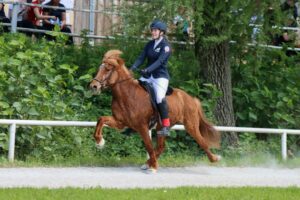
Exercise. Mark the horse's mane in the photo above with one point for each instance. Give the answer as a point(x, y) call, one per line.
point(113, 57)
point(112, 54)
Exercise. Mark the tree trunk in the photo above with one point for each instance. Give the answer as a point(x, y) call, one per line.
point(215, 65)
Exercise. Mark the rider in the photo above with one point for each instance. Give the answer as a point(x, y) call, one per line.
point(157, 52)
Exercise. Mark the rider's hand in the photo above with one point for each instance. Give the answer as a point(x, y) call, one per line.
point(144, 72)
point(132, 68)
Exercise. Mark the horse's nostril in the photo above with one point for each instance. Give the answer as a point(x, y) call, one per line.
point(94, 87)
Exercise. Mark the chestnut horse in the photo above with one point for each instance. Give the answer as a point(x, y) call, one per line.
point(131, 107)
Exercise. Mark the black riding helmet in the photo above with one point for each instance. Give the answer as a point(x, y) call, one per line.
point(156, 24)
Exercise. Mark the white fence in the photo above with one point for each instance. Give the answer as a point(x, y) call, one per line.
point(14, 123)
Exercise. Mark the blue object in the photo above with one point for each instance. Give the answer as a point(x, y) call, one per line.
point(159, 25)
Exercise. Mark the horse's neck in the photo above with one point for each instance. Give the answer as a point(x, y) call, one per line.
point(122, 91)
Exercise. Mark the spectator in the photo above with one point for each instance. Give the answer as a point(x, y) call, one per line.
point(22, 20)
point(60, 18)
point(3, 18)
point(290, 13)
point(290, 20)
point(34, 14)
point(182, 26)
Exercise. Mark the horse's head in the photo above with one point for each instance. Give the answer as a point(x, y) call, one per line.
point(109, 71)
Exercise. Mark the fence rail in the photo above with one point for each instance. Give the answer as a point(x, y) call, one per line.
point(14, 123)
point(92, 12)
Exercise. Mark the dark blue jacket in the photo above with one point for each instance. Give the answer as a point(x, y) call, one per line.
point(157, 59)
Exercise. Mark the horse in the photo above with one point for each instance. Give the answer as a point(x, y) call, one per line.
point(131, 107)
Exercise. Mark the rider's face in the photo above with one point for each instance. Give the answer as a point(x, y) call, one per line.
point(156, 33)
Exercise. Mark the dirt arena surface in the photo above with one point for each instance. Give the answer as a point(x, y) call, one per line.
point(133, 177)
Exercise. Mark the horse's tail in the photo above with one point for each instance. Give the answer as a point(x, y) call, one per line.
point(210, 134)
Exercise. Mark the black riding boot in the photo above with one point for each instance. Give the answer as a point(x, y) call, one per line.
point(165, 121)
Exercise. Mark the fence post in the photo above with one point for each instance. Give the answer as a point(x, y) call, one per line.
point(12, 138)
point(284, 145)
point(92, 20)
point(14, 19)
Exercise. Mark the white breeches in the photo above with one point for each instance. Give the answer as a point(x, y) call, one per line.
point(160, 86)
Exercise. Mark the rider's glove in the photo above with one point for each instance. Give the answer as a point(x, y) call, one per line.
point(144, 72)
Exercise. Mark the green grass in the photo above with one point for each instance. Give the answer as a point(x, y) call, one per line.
point(180, 193)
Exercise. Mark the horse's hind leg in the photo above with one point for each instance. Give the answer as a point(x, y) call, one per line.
point(193, 130)
point(160, 146)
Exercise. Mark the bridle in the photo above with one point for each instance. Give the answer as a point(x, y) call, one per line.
point(107, 78)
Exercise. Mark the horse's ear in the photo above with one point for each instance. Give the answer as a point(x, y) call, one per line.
point(113, 62)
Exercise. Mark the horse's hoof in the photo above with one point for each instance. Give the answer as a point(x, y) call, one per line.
point(219, 157)
point(145, 167)
point(101, 144)
point(151, 171)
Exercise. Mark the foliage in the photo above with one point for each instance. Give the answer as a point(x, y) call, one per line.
point(270, 89)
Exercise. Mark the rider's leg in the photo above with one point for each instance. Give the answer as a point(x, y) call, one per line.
point(160, 86)
point(165, 120)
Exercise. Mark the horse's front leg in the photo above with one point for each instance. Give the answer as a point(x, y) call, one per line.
point(105, 120)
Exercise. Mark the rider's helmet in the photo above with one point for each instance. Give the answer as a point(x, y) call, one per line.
point(157, 24)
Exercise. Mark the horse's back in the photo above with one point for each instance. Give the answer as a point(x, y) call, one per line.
point(182, 104)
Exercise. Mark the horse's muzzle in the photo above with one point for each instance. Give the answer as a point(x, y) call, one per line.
point(95, 87)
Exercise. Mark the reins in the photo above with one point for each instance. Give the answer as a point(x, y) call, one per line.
point(113, 84)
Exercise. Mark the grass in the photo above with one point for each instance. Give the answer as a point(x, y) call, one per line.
point(180, 193)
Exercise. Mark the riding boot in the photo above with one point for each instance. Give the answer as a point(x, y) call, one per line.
point(165, 121)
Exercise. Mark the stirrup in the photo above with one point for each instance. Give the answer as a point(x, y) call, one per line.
point(128, 132)
point(164, 131)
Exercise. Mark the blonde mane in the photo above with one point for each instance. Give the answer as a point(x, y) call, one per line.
point(113, 57)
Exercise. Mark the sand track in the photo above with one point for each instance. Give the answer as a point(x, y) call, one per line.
point(132, 177)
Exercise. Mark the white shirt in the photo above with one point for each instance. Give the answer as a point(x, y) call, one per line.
point(157, 42)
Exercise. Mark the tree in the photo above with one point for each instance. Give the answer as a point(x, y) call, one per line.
point(212, 49)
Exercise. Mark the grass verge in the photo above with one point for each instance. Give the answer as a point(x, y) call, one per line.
point(187, 193)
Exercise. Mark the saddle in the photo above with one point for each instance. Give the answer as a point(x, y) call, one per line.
point(148, 87)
